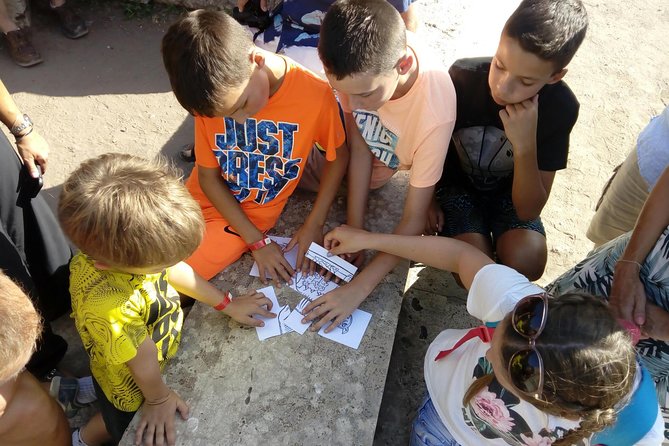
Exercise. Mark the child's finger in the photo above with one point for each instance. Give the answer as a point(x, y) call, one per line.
point(335, 323)
point(309, 311)
point(139, 432)
point(264, 302)
point(264, 313)
point(183, 408)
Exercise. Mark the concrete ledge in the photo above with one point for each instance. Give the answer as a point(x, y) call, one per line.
point(292, 389)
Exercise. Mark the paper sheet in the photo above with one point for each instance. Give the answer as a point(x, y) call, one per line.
point(291, 255)
point(350, 331)
point(311, 286)
point(273, 326)
point(335, 264)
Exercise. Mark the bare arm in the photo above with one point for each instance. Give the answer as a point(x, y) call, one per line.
point(340, 303)
point(312, 228)
point(160, 402)
point(270, 258)
point(531, 187)
point(628, 297)
point(359, 174)
point(440, 252)
point(32, 148)
point(242, 308)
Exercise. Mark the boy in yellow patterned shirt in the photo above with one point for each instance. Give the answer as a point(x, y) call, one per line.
point(134, 222)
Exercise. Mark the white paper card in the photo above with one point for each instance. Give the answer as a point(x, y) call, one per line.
point(350, 331)
point(311, 286)
point(291, 255)
point(294, 319)
point(335, 264)
point(273, 326)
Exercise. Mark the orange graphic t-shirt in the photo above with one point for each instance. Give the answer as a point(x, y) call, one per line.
point(262, 159)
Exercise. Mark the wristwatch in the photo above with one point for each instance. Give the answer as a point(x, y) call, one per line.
point(260, 244)
point(21, 125)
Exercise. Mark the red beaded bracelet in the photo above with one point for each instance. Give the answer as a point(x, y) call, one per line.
point(224, 303)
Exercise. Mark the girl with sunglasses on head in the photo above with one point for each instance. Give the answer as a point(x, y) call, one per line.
point(553, 371)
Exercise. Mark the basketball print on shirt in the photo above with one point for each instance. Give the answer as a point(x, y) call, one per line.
point(256, 158)
point(485, 154)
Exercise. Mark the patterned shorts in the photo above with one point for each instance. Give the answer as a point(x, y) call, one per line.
point(469, 210)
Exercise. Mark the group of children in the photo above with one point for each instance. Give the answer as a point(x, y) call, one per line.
point(263, 121)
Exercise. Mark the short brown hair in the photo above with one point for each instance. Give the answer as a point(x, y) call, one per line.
point(206, 54)
point(128, 211)
point(361, 37)
point(20, 326)
point(552, 30)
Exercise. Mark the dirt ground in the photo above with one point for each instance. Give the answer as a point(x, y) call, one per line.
point(108, 93)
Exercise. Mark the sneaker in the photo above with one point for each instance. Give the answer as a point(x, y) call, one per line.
point(64, 390)
point(21, 48)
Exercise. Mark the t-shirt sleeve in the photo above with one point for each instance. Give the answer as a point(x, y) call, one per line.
point(204, 155)
point(428, 161)
point(120, 329)
point(495, 291)
point(401, 5)
point(557, 119)
point(330, 133)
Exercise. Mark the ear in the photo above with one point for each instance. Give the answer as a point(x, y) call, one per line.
point(101, 265)
point(405, 63)
point(257, 57)
point(557, 77)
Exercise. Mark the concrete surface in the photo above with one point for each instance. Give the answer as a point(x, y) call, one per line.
point(291, 389)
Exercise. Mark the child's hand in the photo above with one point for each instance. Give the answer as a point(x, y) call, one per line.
point(157, 424)
point(520, 123)
point(242, 309)
point(271, 262)
point(628, 296)
point(346, 240)
point(307, 233)
point(334, 306)
point(435, 218)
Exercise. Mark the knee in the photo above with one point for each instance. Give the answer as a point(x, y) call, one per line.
point(526, 255)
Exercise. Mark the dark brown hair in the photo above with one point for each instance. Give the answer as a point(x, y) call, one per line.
point(361, 36)
point(206, 54)
point(550, 29)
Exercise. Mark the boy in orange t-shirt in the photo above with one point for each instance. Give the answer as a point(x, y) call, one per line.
point(257, 117)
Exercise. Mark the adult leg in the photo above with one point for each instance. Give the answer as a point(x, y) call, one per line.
point(19, 45)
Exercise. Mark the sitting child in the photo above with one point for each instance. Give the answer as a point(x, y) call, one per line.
point(399, 106)
point(257, 117)
point(134, 222)
point(28, 415)
point(511, 135)
point(554, 371)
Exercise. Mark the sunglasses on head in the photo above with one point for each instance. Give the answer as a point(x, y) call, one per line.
point(526, 367)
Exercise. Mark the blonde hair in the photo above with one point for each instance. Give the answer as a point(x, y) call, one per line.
point(20, 325)
point(589, 364)
point(128, 211)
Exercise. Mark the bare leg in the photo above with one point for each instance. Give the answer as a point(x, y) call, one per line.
point(523, 250)
point(6, 24)
point(94, 433)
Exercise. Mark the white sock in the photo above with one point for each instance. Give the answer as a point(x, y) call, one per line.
point(76, 438)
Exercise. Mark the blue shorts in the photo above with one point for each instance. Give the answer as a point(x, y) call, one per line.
point(490, 213)
point(428, 429)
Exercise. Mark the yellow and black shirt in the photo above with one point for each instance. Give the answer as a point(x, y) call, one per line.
point(114, 312)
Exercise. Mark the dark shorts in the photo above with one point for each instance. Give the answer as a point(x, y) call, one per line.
point(490, 213)
point(116, 420)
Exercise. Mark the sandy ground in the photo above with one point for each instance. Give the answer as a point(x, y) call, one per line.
point(108, 93)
